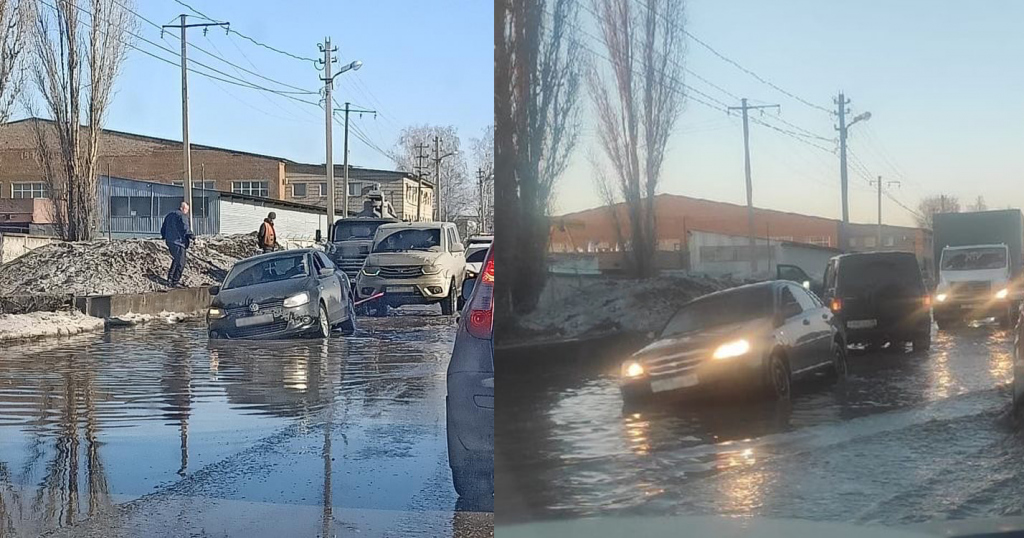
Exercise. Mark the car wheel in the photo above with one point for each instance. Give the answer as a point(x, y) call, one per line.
point(348, 327)
point(449, 306)
point(323, 325)
point(923, 342)
point(840, 367)
point(777, 378)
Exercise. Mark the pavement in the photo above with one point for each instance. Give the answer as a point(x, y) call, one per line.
point(155, 431)
point(908, 438)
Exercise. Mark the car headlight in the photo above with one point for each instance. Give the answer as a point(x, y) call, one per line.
point(296, 300)
point(632, 369)
point(431, 269)
point(216, 313)
point(732, 349)
point(371, 270)
point(941, 297)
point(1001, 294)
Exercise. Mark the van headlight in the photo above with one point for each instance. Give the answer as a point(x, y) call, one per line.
point(296, 300)
point(1001, 294)
point(632, 370)
point(732, 349)
point(941, 297)
point(215, 313)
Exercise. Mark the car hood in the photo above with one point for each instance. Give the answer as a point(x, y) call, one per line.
point(702, 339)
point(755, 527)
point(262, 292)
point(414, 257)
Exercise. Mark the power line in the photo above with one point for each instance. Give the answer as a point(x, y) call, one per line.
point(243, 36)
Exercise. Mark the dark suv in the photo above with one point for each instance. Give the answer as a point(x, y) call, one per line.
point(879, 297)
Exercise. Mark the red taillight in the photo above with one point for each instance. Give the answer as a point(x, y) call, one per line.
point(836, 305)
point(481, 306)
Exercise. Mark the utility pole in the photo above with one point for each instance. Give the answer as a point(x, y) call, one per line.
point(441, 215)
point(744, 107)
point(844, 129)
point(879, 183)
point(420, 157)
point(183, 26)
point(344, 184)
point(481, 176)
point(328, 124)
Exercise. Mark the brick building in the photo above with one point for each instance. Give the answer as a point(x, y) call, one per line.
point(156, 159)
point(593, 230)
point(307, 183)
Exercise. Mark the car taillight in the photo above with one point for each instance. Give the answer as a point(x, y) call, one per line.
point(481, 306)
point(927, 300)
point(836, 305)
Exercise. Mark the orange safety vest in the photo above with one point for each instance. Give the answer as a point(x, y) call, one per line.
point(269, 236)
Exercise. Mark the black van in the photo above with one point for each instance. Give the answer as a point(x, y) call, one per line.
point(879, 297)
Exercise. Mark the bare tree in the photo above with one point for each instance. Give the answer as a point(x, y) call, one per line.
point(483, 159)
point(15, 26)
point(538, 69)
point(929, 206)
point(80, 47)
point(637, 102)
point(978, 205)
point(456, 187)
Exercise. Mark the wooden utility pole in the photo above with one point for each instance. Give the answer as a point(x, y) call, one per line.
point(420, 157)
point(878, 182)
point(744, 107)
point(344, 184)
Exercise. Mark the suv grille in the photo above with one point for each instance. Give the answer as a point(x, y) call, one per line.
point(401, 271)
point(256, 330)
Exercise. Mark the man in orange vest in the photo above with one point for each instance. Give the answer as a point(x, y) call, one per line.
point(267, 237)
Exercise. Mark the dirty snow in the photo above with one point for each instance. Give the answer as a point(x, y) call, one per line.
point(131, 318)
point(120, 266)
point(588, 306)
point(38, 324)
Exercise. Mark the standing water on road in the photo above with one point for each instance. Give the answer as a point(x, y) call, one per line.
point(152, 430)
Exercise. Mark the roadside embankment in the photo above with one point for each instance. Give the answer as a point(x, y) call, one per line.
point(40, 324)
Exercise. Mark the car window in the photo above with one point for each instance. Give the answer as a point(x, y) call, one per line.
point(788, 304)
point(830, 275)
point(477, 255)
point(318, 264)
point(405, 239)
point(325, 261)
point(803, 297)
point(792, 272)
point(726, 308)
point(451, 239)
point(266, 270)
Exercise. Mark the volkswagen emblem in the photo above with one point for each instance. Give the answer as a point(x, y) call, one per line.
point(254, 307)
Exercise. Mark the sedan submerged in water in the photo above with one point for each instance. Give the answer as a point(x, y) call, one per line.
point(760, 336)
point(280, 295)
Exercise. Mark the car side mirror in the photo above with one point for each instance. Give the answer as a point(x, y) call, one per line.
point(326, 271)
point(214, 290)
point(467, 287)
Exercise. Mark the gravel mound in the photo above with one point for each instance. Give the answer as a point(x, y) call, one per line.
point(578, 307)
point(121, 266)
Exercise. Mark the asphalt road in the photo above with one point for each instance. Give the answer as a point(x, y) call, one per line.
point(907, 438)
point(154, 431)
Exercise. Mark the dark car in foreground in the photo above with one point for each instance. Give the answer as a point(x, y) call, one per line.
point(759, 336)
point(282, 294)
point(470, 401)
point(879, 297)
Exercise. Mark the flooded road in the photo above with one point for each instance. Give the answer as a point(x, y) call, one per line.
point(907, 438)
point(154, 431)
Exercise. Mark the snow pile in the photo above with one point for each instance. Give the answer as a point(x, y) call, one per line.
point(572, 307)
point(121, 266)
point(132, 318)
point(38, 324)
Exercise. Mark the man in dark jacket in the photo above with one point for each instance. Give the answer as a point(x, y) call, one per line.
point(177, 233)
point(267, 236)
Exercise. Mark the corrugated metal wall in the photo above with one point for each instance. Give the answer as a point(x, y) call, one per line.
point(141, 207)
point(294, 228)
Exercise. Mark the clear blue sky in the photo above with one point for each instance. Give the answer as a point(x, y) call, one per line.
point(941, 79)
point(423, 63)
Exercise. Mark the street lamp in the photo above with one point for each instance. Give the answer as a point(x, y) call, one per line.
point(354, 66)
point(860, 117)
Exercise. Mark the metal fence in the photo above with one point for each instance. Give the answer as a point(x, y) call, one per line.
point(131, 208)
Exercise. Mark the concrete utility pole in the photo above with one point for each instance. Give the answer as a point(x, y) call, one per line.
point(328, 80)
point(879, 183)
point(420, 157)
point(481, 177)
point(744, 107)
point(183, 26)
point(843, 129)
point(344, 184)
point(441, 215)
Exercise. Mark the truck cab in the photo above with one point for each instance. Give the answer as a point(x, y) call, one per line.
point(975, 282)
point(349, 241)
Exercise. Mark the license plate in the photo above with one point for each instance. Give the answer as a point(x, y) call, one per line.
point(861, 323)
point(401, 289)
point(254, 320)
point(673, 383)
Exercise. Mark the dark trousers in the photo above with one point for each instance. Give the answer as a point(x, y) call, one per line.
point(177, 263)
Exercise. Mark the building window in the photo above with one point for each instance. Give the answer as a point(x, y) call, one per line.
point(323, 188)
point(252, 188)
point(355, 188)
point(28, 190)
point(208, 185)
point(299, 190)
point(821, 241)
point(890, 241)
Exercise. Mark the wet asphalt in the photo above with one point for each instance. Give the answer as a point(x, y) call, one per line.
point(155, 431)
point(906, 438)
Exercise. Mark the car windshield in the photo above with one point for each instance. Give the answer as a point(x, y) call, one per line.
point(409, 239)
point(346, 231)
point(264, 271)
point(974, 259)
point(476, 255)
point(721, 309)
